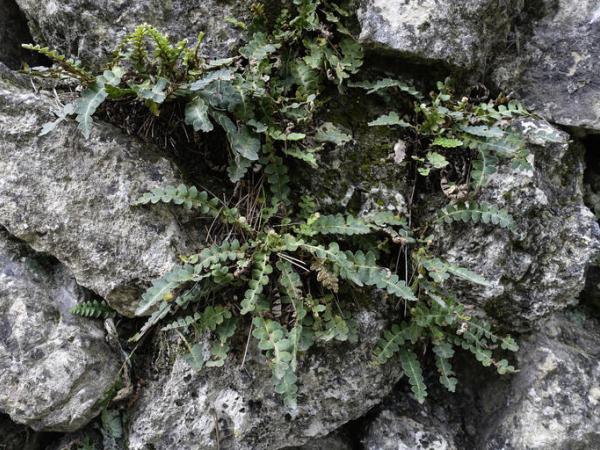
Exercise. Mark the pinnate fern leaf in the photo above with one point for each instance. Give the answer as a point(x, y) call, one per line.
point(86, 106)
point(260, 278)
point(162, 289)
point(189, 197)
point(389, 344)
point(476, 213)
point(93, 309)
point(412, 369)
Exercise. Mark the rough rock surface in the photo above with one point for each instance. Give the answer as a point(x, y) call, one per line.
point(334, 441)
point(91, 30)
point(363, 173)
point(186, 409)
point(403, 424)
point(54, 367)
point(458, 33)
point(541, 266)
point(71, 198)
point(555, 68)
point(552, 401)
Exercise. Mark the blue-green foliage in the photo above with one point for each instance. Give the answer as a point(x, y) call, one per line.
point(284, 270)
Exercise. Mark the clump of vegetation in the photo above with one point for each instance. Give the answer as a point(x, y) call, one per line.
point(277, 264)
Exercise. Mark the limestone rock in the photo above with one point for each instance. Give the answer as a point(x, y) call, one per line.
point(230, 408)
point(540, 267)
point(54, 368)
point(552, 401)
point(555, 68)
point(91, 30)
point(71, 198)
point(457, 33)
point(402, 424)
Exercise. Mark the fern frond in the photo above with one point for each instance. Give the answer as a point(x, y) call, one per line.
point(389, 344)
point(260, 278)
point(387, 83)
point(278, 179)
point(162, 289)
point(67, 65)
point(337, 224)
point(486, 164)
point(412, 369)
point(191, 198)
point(274, 340)
point(476, 213)
point(87, 105)
point(93, 309)
point(209, 319)
point(447, 375)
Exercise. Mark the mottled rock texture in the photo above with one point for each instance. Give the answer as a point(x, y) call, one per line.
point(71, 198)
point(540, 267)
point(555, 65)
point(91, 30)
point(54, 368)
point(402, 424)
point(459, 33)
point(552, 402)
point(187, 410)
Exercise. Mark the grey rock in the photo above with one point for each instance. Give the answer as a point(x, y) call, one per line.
point(92, 30)
point(403, 424)
point(540, 267)
point(459, 33)
point(554, 69)
point(71, 198)
point(54, 368)
point(230, 408)
point(365, 173)
point(551, 403)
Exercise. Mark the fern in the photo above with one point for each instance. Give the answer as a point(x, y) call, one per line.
point(389, 344)
point(163, 288)
point(476, 213)
point(412, 369)
point(69, 66)
point(274, 340)
point(93, 309)
point(87, 105)
point(260, 278)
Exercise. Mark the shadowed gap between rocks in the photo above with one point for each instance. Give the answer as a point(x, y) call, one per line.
point(590, 296)
point(13, 33)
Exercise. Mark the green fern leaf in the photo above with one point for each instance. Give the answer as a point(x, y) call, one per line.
point(87, 105)
point(339, 224)
point(196, 115)
point(447, 142)
point(412, 369)
point(387, 83)
point(162, 289)
point(476, 213)
point(389, 119)
point(447, 378)
point(328, 132)
point(211, 77)
point(389, 344)
point(486, 164)
point(260, 278)
point(189, 197)
point(93, 309)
